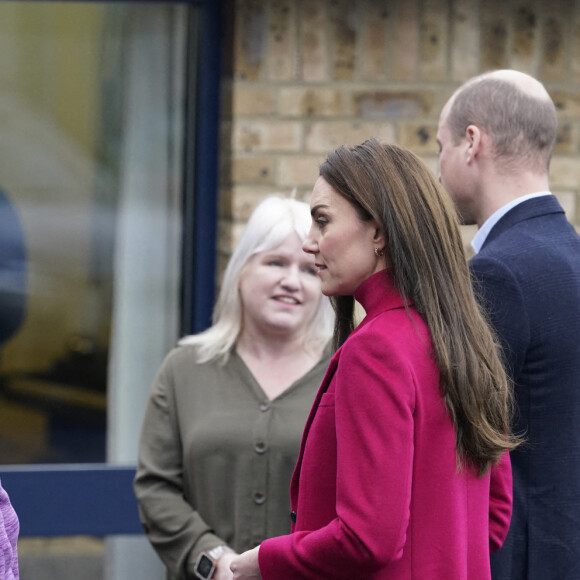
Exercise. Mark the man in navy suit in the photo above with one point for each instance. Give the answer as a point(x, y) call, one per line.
point(496, 135)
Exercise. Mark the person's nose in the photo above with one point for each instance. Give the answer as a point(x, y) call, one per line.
point(291, 278)
point(309, 245)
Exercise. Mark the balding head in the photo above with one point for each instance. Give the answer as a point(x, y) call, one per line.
point(524, 82)
point(514, 109)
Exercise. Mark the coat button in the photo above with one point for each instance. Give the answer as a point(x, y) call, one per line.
point(264, 407)
point(259, 498)
point(293, 517)
point(260, 447)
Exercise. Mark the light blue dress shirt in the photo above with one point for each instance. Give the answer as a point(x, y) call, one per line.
point(483, 231)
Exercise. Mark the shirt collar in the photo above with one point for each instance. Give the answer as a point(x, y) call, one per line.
point(483, 231)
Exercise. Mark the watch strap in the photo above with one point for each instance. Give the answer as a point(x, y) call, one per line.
point(218, 552)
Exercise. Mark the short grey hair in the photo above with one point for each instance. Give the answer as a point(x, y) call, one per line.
point(521, 124)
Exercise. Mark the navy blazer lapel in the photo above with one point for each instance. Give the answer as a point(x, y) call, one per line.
point(537, 206)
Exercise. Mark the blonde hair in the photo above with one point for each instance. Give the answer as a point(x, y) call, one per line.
point(273, 220)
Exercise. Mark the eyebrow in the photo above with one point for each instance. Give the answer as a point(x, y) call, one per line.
point(317, 207)
point(273, 254)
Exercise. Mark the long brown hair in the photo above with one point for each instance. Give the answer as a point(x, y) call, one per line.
point(427, 262)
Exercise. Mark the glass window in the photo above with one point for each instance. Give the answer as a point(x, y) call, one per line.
point(91, 116)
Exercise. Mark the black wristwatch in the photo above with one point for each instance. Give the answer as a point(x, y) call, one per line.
point(205, 564)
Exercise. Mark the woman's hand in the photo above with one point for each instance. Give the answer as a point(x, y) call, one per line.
point(222, 566)
point(245, 566)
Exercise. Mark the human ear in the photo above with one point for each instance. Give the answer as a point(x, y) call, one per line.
point(378, 237)
point(473, 142)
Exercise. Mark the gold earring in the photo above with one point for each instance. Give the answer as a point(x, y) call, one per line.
point(379, 252)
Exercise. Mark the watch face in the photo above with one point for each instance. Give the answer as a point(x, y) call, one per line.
point(204, 566)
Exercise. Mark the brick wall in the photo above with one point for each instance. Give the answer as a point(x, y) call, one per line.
point(303, 76)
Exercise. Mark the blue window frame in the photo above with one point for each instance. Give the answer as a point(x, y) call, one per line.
point(97, 499)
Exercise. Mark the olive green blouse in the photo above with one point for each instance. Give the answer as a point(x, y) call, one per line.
point(216, 457)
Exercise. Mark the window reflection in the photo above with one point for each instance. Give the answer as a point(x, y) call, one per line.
point(91, 101)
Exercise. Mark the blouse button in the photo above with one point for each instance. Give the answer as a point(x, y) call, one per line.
point(260, 447)
point(259, 498)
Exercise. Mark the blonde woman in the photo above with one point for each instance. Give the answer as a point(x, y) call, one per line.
point(225, 416)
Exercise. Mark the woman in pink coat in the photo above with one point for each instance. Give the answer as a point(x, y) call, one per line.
point(403, 471)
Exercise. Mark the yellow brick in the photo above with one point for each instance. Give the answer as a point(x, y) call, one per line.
point(555, 41)
point(494, 34)
point(247, 100)
point(249, 39)
point(224, 239)
point(404, 53)
point(344, 71)
point(565, 141)
point(382, 104)
point(421, 138)
point(312, 54)
point(253, 170)
point(567, 103)
point(375, 20)
point(299, 171)
point(567, 200)
point(236, 233)
point(246, 198)
point(225, 203)
point(525, 22)
point(281, 39)
point(311, 102)
point(323, 136)
point(266, 135)
point(575, 46)
point(464, 39)
point(342, 18)
point(434, 39)
point(565, 172)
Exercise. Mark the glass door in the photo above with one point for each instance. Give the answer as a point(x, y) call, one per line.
point(101, 229)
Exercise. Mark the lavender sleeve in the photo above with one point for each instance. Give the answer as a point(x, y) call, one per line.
point(9, 528)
